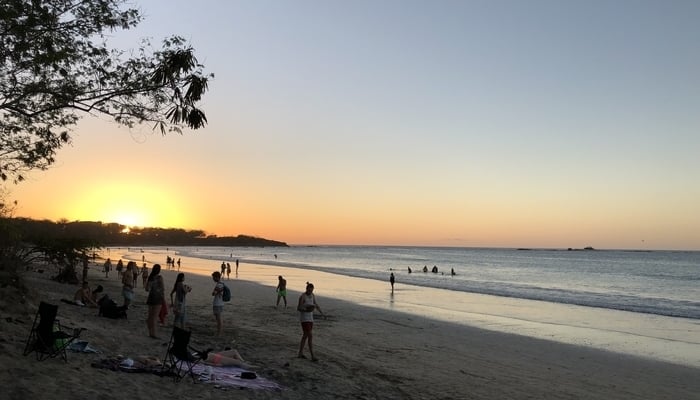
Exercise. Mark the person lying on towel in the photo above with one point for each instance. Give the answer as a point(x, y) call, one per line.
point(226, 358)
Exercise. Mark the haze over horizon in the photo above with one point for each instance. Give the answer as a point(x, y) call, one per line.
point(537, 124)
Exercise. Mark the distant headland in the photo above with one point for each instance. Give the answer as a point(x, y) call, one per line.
point(568, 249)
point(115, 234)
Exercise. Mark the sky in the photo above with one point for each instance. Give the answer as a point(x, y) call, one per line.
point(504, 123)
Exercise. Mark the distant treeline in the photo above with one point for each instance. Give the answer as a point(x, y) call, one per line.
point(114, 234)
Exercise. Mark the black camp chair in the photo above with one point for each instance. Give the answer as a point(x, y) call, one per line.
point(180, 358)
point(47, 337)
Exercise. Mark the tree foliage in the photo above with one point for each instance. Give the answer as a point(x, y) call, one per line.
point(55, 67)
point(98, 234)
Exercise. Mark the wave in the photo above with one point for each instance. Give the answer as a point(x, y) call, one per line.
point(607, 300)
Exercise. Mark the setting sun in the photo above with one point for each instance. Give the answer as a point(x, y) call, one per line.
point(133, 204)
point(127, 219)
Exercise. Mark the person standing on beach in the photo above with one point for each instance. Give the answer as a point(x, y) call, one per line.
point(128, 283)
point(85, 266)
point(281, 291)
point(144, 275)
point(218, 302)
point(120, 268)
point(236, 267)
point(307, 305)
point(107, 267)
point(228, 271)
point(135, 271)
point(391, 280)
point(156, 296)
point(180, 291)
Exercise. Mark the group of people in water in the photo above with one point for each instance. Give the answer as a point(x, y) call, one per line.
point(392, 277)
point(433, 270)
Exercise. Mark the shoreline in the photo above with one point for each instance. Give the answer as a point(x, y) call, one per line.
point(657, 337)
point(365, 352)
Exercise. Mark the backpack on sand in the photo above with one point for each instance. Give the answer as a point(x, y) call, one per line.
point(226, 294)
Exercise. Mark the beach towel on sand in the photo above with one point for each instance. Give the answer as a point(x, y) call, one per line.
point(82, 346)
point(231, 377)
point(127, 365)
point(220, 377)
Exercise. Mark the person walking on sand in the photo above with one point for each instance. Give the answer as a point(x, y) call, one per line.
point(156, 296)
point(307, 305)
point(228, 271)
point(392, 279)
point(218, 301)
point(236, 267)
point(281, 291)
point(178, 305)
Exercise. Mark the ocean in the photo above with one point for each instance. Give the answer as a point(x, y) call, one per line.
point(640, 302)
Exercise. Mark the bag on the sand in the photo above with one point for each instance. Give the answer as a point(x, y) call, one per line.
point(110, 309)
point(226, 295)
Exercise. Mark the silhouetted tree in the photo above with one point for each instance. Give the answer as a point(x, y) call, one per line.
point(55, 66)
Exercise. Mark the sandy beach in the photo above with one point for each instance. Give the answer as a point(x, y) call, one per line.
point(365, 353)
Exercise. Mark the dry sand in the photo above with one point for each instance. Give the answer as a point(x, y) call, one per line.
point(364, 353)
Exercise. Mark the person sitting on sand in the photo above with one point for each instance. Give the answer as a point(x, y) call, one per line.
point(226, 358)
point(93, 295)
point(83, 296)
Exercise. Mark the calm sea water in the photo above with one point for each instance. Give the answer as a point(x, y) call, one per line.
point(665, 283)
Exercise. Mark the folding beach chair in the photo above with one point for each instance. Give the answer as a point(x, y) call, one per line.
point(47, 337)
point(180, 358)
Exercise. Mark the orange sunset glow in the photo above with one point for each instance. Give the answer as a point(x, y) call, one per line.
point(515, 141)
